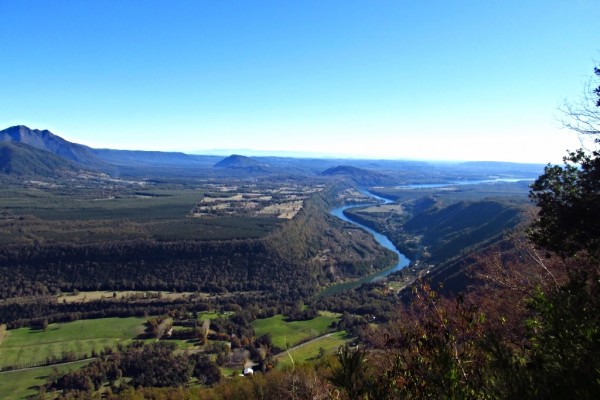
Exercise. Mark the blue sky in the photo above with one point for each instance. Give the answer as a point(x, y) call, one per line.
point(449, 80)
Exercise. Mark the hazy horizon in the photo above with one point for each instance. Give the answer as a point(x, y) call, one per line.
point(380, 80)
point(291, 154)
point(328, 156)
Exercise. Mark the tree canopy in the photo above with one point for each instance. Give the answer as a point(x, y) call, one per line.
point(569, 195)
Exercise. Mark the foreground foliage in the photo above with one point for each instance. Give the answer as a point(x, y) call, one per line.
point(569, 196)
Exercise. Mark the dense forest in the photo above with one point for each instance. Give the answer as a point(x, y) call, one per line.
point(292, 262)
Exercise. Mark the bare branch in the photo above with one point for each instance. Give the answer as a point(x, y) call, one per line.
point(583, 117)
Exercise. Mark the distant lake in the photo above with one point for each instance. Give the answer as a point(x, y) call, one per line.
point(462, 183)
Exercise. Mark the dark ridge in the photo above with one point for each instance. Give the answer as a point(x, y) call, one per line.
point(238, 161)
point(23, 160)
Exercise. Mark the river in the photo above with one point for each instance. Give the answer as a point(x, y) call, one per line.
point(383, 240)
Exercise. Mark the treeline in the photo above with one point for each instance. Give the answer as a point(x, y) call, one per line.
point(154, 365)
point(38, 314)
point(212, 267)
point(248, 306)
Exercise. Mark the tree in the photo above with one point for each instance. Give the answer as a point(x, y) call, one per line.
point(351, 374)
point(155, 365)
point(569, 201)
point(569, 195)
point(584, 117)
point(565, 328)
point(206, 371)
point(565, 341)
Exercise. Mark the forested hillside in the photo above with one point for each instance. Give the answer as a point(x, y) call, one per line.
point(23, 160)
point(449, 230)
point(293, 261)
point(440, 236)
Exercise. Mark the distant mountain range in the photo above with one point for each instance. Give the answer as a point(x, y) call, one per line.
point(47, 141)
point(33, 145)
point(33, 152)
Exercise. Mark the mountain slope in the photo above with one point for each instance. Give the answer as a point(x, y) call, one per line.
point(447, 231)
point(114, 162)
point(47, 141)
point(24, 160)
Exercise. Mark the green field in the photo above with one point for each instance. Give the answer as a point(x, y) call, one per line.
point(17, 385)
point(65, 204)
point(310, 351)
point(25, 346)
point(285, 334)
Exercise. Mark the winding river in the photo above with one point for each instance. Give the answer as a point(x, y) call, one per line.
point(383, 240)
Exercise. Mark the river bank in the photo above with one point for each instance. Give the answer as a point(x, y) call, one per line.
point(383, 240)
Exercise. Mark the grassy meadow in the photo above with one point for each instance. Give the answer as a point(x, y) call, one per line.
point(17, 385)
point(26, 346)
point(312, 350)
point(285, 334)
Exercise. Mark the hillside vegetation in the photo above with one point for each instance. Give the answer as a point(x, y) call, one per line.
point(448, 231)
point(23, 160)
point(127, 245)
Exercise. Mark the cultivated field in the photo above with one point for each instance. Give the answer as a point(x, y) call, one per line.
point(313, 349)
point(85, 296)
point(514, 191)
point(26, 347)
point(285, 334)
point(280, 201)
point(383, 208)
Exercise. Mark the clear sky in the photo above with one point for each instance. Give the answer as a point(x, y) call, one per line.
point(450, 80)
